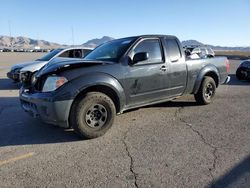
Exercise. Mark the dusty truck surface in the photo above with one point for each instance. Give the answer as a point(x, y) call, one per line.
point(119, 75)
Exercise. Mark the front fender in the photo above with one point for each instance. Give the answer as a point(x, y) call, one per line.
point(208, 69)
point(81, 83)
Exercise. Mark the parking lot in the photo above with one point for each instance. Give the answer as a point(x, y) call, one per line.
point(174, 144)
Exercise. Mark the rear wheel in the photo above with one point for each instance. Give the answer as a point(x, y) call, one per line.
point(206, 91)
point(92, 115)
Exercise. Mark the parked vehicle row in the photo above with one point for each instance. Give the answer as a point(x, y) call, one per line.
point(24, 50)
point(86, 94)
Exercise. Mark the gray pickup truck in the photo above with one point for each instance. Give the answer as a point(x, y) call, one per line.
point(119, 75)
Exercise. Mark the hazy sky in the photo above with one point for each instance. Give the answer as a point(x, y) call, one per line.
point(217, 22)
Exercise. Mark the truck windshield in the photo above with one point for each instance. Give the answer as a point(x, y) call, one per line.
point(51, 54)
point(111, 51)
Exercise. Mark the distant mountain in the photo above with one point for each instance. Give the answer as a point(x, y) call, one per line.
point(215, 48)
point(26, 43)
point(191, 43)
point(224, 48)
point(97, 42)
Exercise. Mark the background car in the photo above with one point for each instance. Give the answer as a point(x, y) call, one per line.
point(243, 71)
point(188, 49)
point(203, 52)
point(28, 68)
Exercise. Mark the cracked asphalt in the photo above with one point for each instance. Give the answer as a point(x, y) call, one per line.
point(174, 144)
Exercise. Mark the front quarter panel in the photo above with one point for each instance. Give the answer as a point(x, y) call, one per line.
point(79, 84)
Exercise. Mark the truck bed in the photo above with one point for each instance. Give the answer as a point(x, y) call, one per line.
point(196, 66)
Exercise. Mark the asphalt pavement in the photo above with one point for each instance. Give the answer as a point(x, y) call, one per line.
point(174, 144)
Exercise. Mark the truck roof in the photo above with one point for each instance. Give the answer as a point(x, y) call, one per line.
point(153, 35)
point(146, 36)
point(76, 47)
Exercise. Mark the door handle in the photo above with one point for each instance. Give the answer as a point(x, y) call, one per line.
point(163, 68)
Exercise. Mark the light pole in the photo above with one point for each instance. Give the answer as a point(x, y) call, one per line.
point(11, 47)
point(73, 39)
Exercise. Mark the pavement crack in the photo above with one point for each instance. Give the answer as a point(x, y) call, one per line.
point(178, 111)
point(214, 150)
point(204, 141)
point(131, 167)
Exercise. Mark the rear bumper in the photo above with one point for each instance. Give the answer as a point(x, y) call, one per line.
point(42, 106)
point(13, 76)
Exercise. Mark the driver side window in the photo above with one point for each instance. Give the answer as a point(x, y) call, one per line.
point(152, 47)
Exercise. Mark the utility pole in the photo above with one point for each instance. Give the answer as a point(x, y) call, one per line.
point(11, 47)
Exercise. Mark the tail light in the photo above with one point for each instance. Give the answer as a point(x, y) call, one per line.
point(227, 66)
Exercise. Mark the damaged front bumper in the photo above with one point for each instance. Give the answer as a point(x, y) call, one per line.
point(42, 106)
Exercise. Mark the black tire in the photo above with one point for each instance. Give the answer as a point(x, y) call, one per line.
point(239, 75)
point(206, 92)
point(92, 115)
point(210, 56)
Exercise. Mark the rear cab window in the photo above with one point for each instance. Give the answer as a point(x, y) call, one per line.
point(173, 49)
point(85, 52)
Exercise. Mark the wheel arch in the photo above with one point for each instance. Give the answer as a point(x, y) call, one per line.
point(110, 92)
point(210, 71)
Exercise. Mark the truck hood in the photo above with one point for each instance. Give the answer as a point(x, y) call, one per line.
point(63, 64)
point(24, 64)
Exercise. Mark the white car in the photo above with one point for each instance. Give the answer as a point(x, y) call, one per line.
point(203, 52)
point(27, 69)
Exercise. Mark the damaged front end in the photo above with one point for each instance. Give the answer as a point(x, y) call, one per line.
point(28, 79)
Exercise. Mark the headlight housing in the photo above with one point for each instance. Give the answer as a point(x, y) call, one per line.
point(24, 76)
point(33, 79)
point(53, 82)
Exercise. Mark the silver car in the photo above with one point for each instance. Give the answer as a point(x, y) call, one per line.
point(27, 69)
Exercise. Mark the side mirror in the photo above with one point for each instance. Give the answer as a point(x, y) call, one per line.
point(141, 56)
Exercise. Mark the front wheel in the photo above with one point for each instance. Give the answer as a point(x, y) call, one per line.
point(92, 115)
point(206, 91)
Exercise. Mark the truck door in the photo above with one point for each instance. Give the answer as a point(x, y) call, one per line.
point(145, 80)
point(177, 72)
